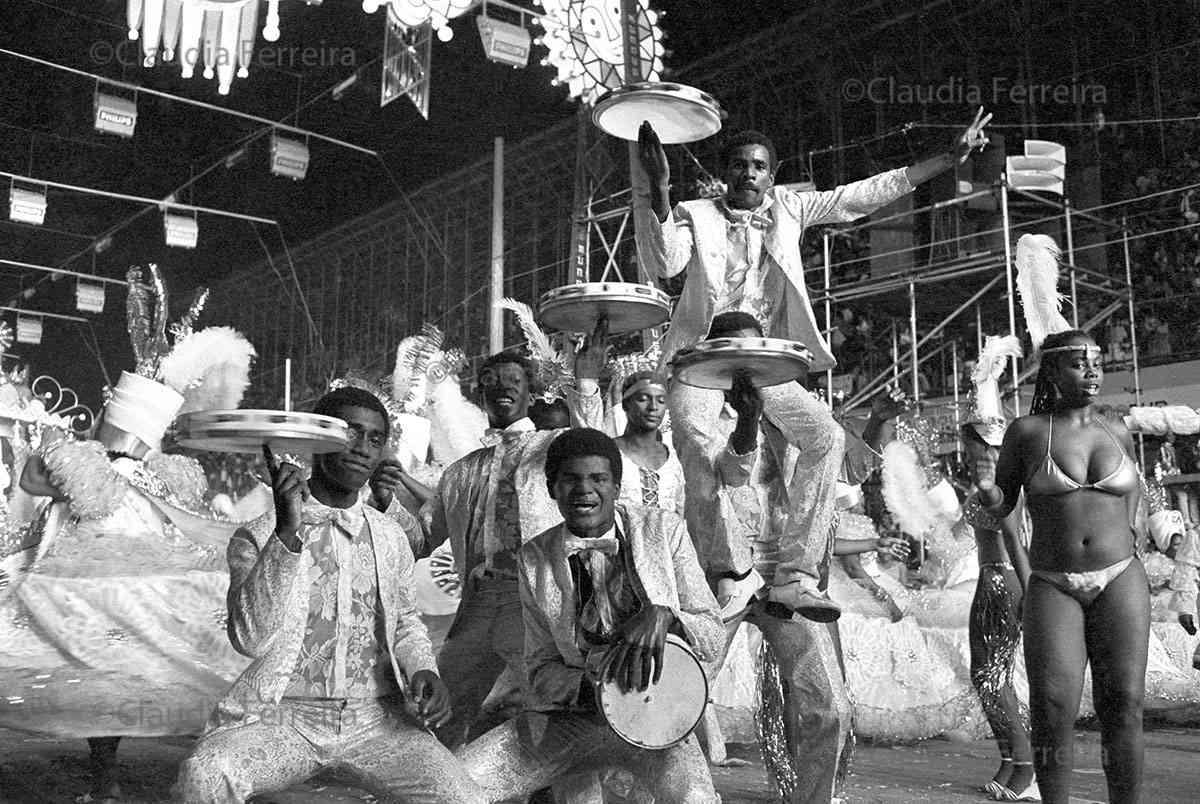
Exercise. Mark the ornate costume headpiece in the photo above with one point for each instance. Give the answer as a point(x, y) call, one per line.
point(552, 366)
point(987, 414)
point(1037, 283)
point(194, 370)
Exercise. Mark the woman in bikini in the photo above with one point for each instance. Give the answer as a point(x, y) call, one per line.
point(1088, 598)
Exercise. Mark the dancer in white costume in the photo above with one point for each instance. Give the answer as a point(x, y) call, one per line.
point(117, 630)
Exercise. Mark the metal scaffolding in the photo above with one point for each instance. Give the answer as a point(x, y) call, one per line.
point(376, 279)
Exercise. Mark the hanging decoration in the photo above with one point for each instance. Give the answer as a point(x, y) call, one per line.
point(584, 40)
point(219, 33)
point(414, 13)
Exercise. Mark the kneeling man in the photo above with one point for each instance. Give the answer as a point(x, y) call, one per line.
point(599, 595)
point(321, 597)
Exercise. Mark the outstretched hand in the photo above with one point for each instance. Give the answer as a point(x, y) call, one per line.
point(985, 478)
point(889, 404)
point(974, 137)
point(745, 398)
point(653, 156)
point(289, 490)
point(590, 359)
point(636, 660)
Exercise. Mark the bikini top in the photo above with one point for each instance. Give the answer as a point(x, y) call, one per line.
point(1049, 478)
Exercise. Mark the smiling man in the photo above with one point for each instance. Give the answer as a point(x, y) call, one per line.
point(320, 595)
point(599, 594)
point(741, 253)
point(487, 504)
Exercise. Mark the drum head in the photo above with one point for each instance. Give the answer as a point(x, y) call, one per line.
point(250, 430)
point(768, 361)
point(628, 307)
point(678, 113)
point(663, 715)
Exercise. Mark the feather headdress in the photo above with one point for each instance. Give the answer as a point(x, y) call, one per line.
point(553, 368)
point(1037, 283)
point(417, 359)
point(904, 490)
point(210, 367)
point(987, 415)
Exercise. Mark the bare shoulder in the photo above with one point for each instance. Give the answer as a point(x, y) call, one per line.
point(1027, 427)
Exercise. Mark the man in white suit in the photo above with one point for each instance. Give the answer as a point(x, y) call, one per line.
point(599, 593)
point(321, 596)
point(741, 253)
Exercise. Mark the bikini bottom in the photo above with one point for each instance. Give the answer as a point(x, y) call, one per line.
point(1083, 586)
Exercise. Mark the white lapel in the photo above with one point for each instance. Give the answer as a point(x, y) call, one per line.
point(556, 582)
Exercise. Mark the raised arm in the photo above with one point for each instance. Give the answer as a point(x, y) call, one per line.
point(664, 239)
point(999, 477)
point(265, 561)
point(262, 571)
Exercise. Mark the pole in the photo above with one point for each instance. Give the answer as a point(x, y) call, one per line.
point(635, 71)
point(978, 329)
point(287, 384)
point(828, 245)
point(1133, 340)
point(496, 330)
point(957, 412)
point(1071, 262)
point(1008, 278)
point(895, 355)
point(912, 331)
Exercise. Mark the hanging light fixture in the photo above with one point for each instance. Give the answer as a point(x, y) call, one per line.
point(180, 229)
point(289, 157)
point(29, 329)
point(504, 42)
point(89, 296)
point(27, 205)
point(114, 114)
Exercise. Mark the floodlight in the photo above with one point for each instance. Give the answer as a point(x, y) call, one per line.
point(115, 115)
point(181, 230)
point(289, 157)
point(504, 42)
point(27, 205)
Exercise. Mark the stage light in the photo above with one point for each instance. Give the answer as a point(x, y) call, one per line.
point(181, 230)
point(89, 297)
point(26, 205)
point(29, 329)
point(115, 115)
point(504, 42)
point(289, 157)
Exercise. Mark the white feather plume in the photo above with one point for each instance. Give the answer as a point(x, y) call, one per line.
point(539, 342)
point(904, 490)
point(210, 367)
point(1037, 282)
point(457, 425)
point(997, 351)
point(414, 357)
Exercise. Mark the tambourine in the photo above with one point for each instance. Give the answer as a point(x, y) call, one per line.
point(677, 112)
point(250, 430)
point(663, 714)
point(768, 361)
point(628, 307)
